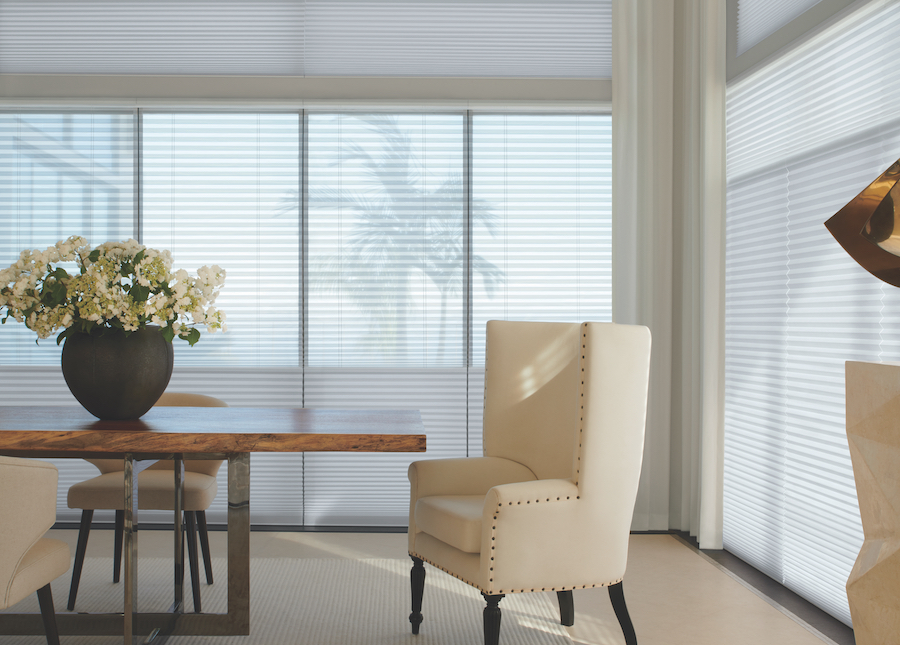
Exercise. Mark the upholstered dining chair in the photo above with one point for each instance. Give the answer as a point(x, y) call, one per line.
point(29, 562)
point(549, 505)
point(156, 491)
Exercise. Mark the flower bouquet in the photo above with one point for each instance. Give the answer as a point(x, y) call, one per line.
point(122, 286)
point(118, 314)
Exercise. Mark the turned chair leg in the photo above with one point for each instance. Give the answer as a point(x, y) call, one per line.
point(203, 532)
point(118, 538)
point(84, 532)
point(566, 608)
point(190, 533)
point(617, 598)
point(48, 614)
point(417, 584)
point(492, 619)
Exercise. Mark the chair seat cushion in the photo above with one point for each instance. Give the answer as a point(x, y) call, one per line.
point(453, 519)
point(44, 562)
point(155, 491)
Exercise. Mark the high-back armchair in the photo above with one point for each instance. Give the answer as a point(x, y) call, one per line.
point(549, 505)
point(29, 561)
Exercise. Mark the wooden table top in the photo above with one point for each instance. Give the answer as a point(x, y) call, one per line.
point(72, 431)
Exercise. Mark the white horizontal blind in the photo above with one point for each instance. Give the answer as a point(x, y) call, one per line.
point(380, 317)
point(562, 38)
point(215, 187)
point(385, 240)
point(500, 38)
point(61, 175)
point(797, 306)
point(233, 37)
point(541, 220)
point(759, 19)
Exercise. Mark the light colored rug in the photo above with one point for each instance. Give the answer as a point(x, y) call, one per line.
point(321, 602)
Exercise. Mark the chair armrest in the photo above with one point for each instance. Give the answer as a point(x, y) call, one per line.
point(463, 476)
point(27, 509)
point(530, 492)
point(544, 534)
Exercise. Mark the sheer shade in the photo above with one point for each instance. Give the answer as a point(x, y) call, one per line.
point(541, 220)
point(513, 38)
point(214, 190)
point(797, 306)
point(358, 279)
point(233, 37)
point(61, 175)
point(759, 19)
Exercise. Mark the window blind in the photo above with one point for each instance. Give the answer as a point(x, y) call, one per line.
point(797, 306)
point(759, 19)
point(351, 277)
point(541, 220)
point(545, 39)
point(61, 175)
point(459, 38)
point(208, 37)
point(213, 193)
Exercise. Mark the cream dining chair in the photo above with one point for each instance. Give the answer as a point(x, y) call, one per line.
point(29, 562)
point(156, 491)
point(549, 505)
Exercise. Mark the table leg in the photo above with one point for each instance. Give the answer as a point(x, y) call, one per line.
point(239, 543)
point(130, 606)
point(178, 602)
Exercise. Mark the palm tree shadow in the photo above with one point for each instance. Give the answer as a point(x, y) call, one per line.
point(401, 227)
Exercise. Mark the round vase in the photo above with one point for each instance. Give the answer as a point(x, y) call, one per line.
point(116, 375)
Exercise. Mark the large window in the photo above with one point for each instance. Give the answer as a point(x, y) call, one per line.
point(364, 251)
point(805, 135)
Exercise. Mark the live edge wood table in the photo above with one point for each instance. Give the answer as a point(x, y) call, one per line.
point(180, 433)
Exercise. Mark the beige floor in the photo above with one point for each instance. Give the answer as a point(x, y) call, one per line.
point(675, 594)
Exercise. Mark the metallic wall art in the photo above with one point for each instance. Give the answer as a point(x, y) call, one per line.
point(869, 227)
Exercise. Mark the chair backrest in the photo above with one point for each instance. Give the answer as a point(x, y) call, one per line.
point(569, 401)
point(27, 511)
point(613, 414)
point(531, 395)
point(174, 399)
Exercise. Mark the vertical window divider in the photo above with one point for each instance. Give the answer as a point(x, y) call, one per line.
point(138, 174)
point(467, 252)
point(304, 284)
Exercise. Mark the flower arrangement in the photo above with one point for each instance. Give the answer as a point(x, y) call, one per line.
point(122, 286)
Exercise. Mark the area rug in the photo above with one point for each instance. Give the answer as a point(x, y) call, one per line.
point(318, 601)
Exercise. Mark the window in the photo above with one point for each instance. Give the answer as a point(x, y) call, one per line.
point(797, 306)
point(365, 251)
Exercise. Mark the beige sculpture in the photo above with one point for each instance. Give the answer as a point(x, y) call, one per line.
point(873, 431)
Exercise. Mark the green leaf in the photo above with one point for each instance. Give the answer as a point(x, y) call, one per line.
point(193, 336)
point(168, 333)
point(139, 293)
point(137, 258)
point(94, 255)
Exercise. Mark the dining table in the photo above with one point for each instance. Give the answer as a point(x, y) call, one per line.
point(179, 433)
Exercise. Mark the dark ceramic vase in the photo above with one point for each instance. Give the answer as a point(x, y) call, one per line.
point(117, 376)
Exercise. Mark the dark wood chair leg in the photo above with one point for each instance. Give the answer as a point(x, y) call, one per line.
point(492, 619)
point(48, 613)
point(566, 608)
point(617, 598)
point(203, 532)
point(117, 544)
point(417, 584)
point(191, 535)
point(84, 532)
